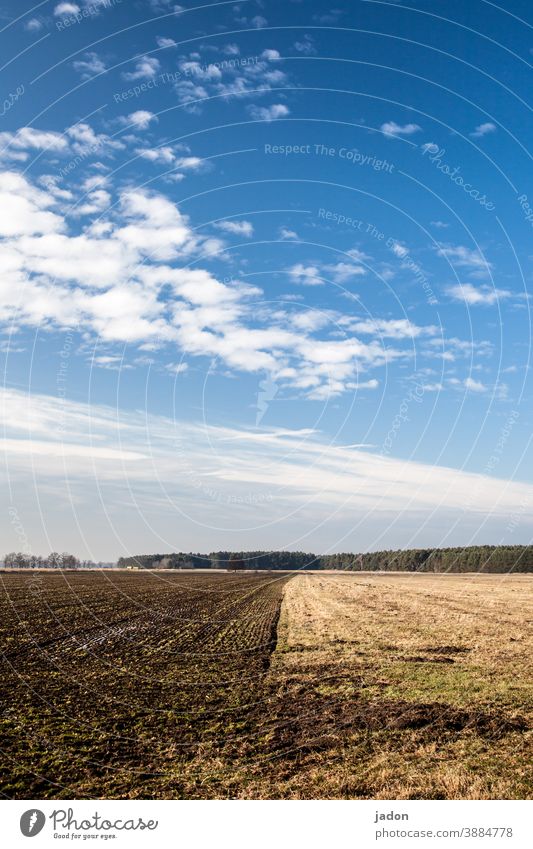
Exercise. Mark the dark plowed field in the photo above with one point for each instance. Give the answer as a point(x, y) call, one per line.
point(132, 685)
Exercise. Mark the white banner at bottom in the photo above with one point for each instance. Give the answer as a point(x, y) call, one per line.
point(257, 824)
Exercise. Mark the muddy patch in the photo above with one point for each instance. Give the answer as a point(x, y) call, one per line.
point(309, 720)
point(420, 659)
point(445, 650)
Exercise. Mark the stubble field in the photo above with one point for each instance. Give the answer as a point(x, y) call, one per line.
point(214, 685)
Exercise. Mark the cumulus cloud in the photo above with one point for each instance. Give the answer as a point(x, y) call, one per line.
point(269, 113)
point(342, 272)
point(305, 45)
point(128, 278)
point(78, 140)
point(464, 257)
point(33, 25)
point(339, 272)
point(306, 275)
point(90, 65)
point(24, 209)
point(232, 77)
point(66, 9)
point(485, 296)
point(237, 228)
point(451, 348)
point(271, 54)
point(145, 69)
point(483, 130)
point(163, 41)
point(474, 385)
point(17, 145)
point(164, 155)
point(287, 235)
point(392, 129)
point(141, 119)
point(400, 328)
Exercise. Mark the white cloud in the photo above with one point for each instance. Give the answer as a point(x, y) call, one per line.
point(125, 278)
point(433, 387)
point(287, 235)
point(166, 155)
point(107, 360)
point(451, 348)
point(51, 182)
point(483, 130)
point(189, 94)
point(400, 328)
point(305, 45)
point(31, 449)
point(314, 275)
point(90, 65)
point(298, 466)
point(231, 50)
point(177, 368)
point(466, 258)
point(392, 129)
point(84, 141)
point(95, 202)
point(163, 41)
point(66, 9)
point(24, 210)
point(204, 73)
point(145, 68)
point(33, 25)
point(306, 275)
point(163, 155)
point(16, 145)
point(365, 384)
point(358, 255)
point(96, 4)
point(399, 249)
point(265, 486)
point(311, 320)
point(155, 226)
point(190, 163)
point(341, 272)
point(269, 113)
point(477, 296)
point(238, 228)
point(233, 77)
point(474, 385)
point(270, 54)
point(141, 119)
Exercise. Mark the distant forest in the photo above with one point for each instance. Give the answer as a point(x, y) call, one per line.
point(476, 558)
point(55, 560)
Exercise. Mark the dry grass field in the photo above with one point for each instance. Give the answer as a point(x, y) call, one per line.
point(407, 686)
point(168, 685)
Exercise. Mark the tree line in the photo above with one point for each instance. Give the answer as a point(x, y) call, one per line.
point(55, 560)
point(478, 558)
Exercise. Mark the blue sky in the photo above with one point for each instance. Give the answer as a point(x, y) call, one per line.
point(265, 275)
